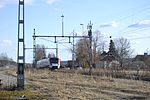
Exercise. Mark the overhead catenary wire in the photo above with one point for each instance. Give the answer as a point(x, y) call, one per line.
point(140, 8)
point(133, 30)
point(146, 37)
point(144, 9)
point(137, 12)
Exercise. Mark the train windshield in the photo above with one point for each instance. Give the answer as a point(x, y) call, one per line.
point(54, 60)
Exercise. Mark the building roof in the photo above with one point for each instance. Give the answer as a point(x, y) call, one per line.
point(107, 57)
point(144, 57)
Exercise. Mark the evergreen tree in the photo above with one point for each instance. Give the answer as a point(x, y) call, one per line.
point(112, 50)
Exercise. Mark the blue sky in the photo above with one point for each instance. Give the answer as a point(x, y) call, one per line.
point(117, 18)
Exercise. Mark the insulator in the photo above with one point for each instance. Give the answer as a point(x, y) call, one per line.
point(55, 40)
point(69, 39)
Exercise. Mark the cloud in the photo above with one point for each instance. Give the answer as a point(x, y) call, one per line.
point(1, 6)
point(7, 42)
point(29, 2)
point(141, 24)
point(111, 24)
point(58, 10)
point(4, 3)
point(52, 1)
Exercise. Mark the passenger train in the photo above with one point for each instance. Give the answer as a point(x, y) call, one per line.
point(52, 63)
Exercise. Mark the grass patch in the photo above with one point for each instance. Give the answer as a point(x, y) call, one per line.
point(8, 88)
point(11, 92)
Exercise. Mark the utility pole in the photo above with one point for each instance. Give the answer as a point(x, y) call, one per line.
point(21, 47)
point(89, 27)
point(34, 50)
point(57, 50)
point(82, 28)
point(62, 25)
point(73, 53)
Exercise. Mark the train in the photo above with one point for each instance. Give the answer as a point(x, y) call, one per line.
point(52, 63)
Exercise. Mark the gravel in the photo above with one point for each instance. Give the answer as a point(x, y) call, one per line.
point(7, 79)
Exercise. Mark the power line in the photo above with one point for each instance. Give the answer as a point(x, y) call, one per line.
point(46, 40)
point(143, 9)
point(135, 30)
point(140, 38)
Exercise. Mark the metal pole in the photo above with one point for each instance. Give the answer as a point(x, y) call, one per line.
point(34, 50)
point(73, 53)
point(62, 25)
point(82, 28)
point(57, 50)
point(21, 47)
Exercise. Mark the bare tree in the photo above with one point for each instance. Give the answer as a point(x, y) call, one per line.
point(83, 51)
point(123, 49)
point(40, 52)
point(98, 46)
point(50, 55)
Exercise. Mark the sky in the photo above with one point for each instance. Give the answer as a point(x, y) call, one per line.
point(117, 18)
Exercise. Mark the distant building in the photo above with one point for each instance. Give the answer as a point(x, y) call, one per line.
point(144, 58)
point(107, 57)
point(107, 60)
point(70, 64)
point(64, 63)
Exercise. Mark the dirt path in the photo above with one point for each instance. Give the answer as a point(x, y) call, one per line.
point(7, 79)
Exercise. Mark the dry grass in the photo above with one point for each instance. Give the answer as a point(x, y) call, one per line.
point(73, 85)
point(11, 95)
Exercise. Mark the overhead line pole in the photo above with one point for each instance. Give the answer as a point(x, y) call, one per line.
point(57, 50)
point(21, 47)
point(73, 53)
point(62, 25)
point(34, 50)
